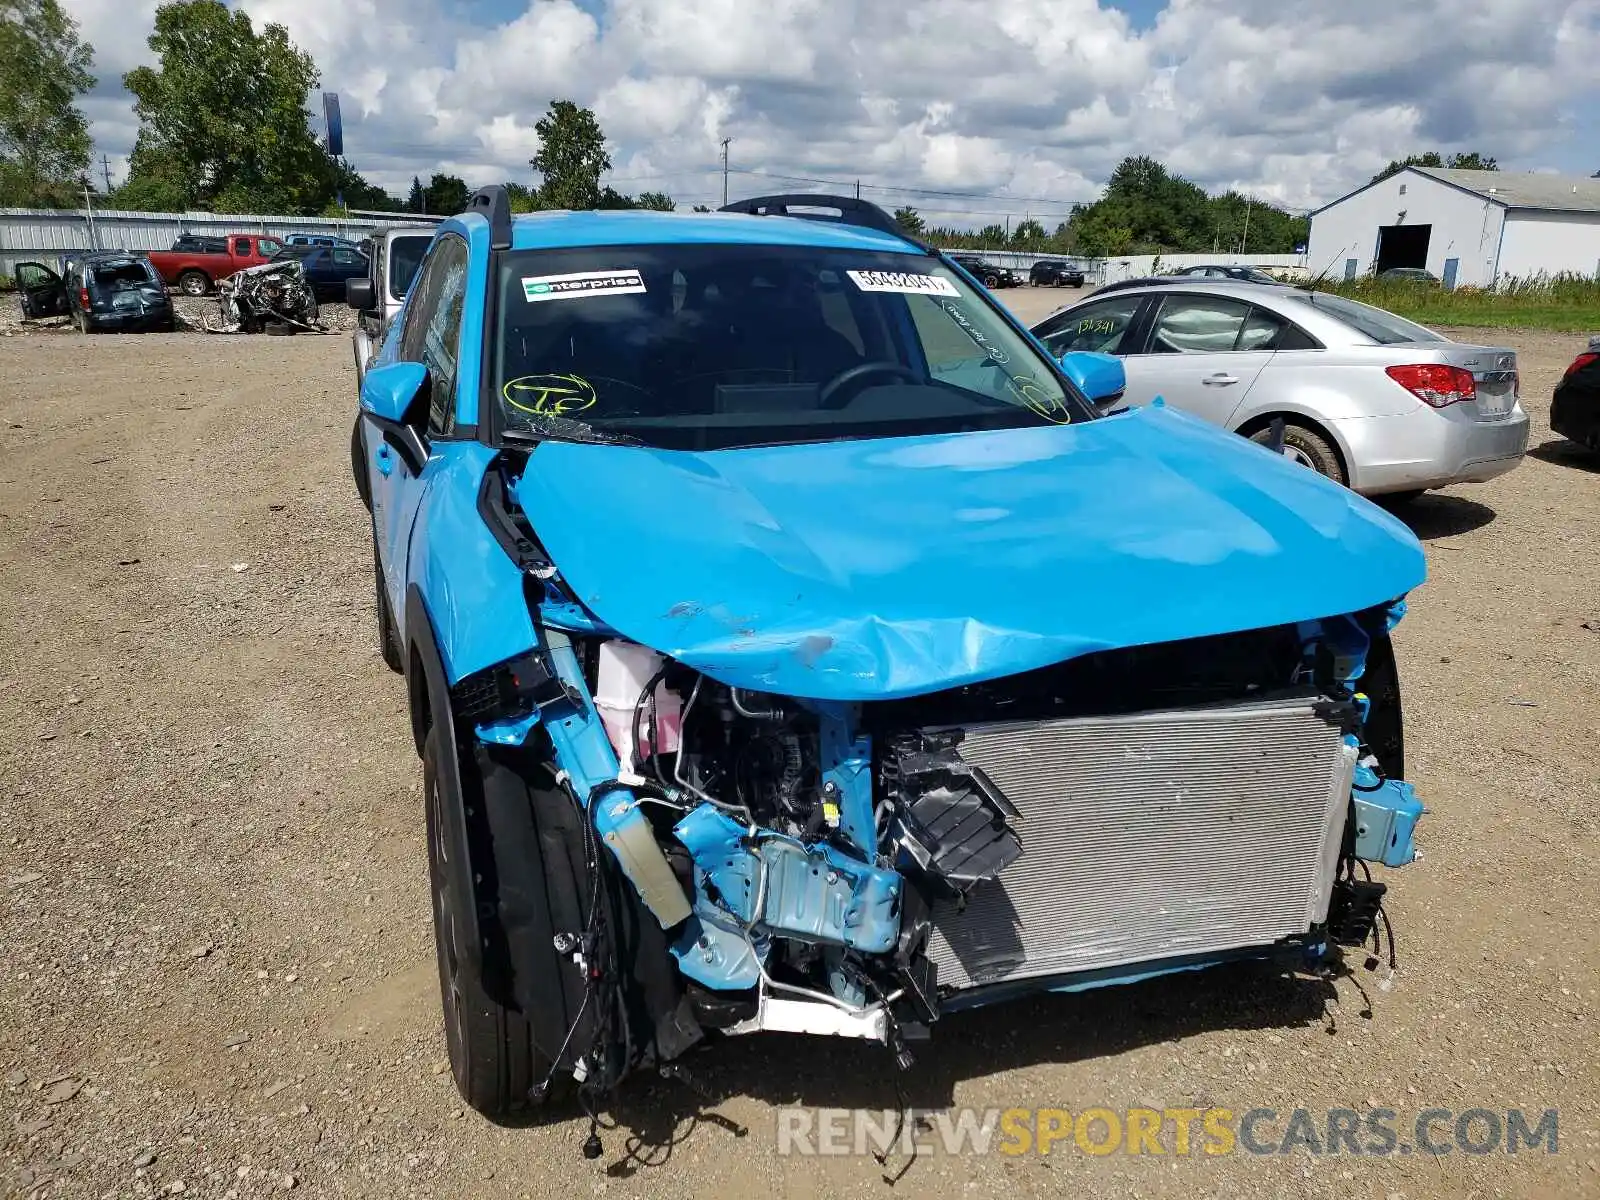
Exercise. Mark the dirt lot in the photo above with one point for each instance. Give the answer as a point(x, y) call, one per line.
point(219, 974)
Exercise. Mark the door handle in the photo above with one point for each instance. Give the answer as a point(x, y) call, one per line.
point(1220, 379)
point(385, 458)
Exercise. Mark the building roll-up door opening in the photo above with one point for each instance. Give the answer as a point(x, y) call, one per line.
point(1402, 246)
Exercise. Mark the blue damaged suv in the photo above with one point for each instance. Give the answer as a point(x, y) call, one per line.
point(792, 644)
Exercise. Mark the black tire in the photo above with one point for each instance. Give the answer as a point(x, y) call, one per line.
point(991, 281)
point(388, 635)
point(1311, 447)
point(194, 283)
point(507, 1019)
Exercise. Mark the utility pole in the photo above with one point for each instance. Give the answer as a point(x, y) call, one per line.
point(105, 162)
point(1245, 241)
point(725, 142)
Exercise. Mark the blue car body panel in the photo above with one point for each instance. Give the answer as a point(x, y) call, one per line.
point(857, 570)
point(850, 571)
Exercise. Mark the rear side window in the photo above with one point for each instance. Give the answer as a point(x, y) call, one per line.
point(1200, 325)
point(1373, 323)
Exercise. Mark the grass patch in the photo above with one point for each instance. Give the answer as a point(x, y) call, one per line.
point(1564, 303)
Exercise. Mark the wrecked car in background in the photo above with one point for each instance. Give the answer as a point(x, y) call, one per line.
point(747, 572)
point(102, 291)
point(274, 297)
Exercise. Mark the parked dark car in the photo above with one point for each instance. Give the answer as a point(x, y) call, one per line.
point(320, 239)
point(103, 291)
point(991, 275)
point(1575, 407)
point(1408, 275)
point(1221, 271)
point(1049, 273)
point(327, 267)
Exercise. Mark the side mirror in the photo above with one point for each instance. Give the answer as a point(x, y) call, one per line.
point(1100, 377)
point(360, 295)
point(389, 392)
point(390, 397)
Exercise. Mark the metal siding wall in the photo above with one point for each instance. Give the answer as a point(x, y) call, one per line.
point(43, 234)
point(1465, 227)
point(1539, 243)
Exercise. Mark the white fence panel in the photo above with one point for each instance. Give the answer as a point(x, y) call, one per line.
point(43, 235)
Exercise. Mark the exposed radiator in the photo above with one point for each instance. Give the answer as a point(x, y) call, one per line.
point(1150, 836)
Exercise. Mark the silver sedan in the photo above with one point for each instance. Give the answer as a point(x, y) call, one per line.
point(1370, 399)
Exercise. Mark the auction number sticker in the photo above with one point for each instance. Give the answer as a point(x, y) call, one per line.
point(901, 281)
point(581, 283)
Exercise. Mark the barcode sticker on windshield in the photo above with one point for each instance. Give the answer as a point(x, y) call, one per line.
point(581, 283)
point(899, 281)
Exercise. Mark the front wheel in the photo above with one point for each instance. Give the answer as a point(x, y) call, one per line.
point(509, 1008)
point(194, 283)
point(1308, 448)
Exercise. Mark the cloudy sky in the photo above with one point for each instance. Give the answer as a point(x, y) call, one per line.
point(1022, 105)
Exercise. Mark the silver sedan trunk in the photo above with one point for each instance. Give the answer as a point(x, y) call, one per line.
point(1371, 399)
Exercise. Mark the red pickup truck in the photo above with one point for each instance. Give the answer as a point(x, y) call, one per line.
point(194, 263)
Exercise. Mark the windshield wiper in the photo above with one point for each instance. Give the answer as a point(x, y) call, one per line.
point(547, 428)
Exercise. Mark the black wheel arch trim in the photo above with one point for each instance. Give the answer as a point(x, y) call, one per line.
point(430, 710)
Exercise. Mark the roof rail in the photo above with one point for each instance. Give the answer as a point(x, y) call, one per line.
point(852, 211)
point(494, 203)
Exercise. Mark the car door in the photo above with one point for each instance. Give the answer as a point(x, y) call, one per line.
point(1201, 353)
point(41, 291)
point(430, 335)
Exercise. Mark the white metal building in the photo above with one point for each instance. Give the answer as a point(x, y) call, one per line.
point(1466, 227)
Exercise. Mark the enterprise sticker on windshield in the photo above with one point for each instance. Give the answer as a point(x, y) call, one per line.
point(581, 283)
point(899, 281)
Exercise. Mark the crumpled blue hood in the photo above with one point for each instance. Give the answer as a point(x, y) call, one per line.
point(869, 570)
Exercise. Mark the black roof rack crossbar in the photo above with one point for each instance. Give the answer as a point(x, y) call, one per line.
point(495, 204)
point(852, 211)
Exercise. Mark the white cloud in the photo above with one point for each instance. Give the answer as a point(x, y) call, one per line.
point(1295, 100)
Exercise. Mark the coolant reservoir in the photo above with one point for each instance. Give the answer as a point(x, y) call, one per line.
point(624, 671)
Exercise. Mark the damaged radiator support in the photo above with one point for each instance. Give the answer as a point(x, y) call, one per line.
point(273, 296)
point(1152, 836)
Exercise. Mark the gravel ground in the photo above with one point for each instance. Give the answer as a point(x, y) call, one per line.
point(219, 976)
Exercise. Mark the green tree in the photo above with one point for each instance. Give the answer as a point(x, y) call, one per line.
point(992, 235)
point(224, 113)
point(910, 220)
point(417, 198)
point(522, 197)
point(1028, 235)
point(702, 208)
point(1470, 161)
point(44, 138)
point(572, 157)
point(357, 192)
point(656, 201)
point(447, 194)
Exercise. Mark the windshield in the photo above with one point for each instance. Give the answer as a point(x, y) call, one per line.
point(712, 346)
point(405, 256)
point(1381, 326)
